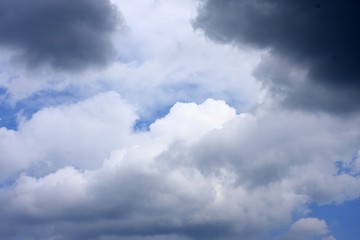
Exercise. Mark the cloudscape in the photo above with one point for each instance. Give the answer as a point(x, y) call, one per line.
point(180, 120)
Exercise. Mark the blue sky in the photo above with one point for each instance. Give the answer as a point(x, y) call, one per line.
point(342, 218)
point(180, 120)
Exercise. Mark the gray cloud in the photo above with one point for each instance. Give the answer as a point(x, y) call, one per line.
point(67, 35)
point(259, 152)
point(318, 36)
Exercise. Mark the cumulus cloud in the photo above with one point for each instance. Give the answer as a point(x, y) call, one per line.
point(58, 136)
point(196, 174)
point(204, 170)
point(318, 37)
point(192, 120)
point(130, 170)
point(306, 229)
point(66, 35)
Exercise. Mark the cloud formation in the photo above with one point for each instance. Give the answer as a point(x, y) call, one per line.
point(318, 37)
point(200, 172)
point(78, 166)
point(66, 35)
point(42, 140)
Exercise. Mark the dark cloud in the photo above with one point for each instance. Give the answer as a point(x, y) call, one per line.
point(319, 36)
point(68, 34)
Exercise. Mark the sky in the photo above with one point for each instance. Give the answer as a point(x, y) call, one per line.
point(179, 120)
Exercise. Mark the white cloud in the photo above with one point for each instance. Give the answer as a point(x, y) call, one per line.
point(197, 168)
point(187, 121)
point(307, 229)
point(309, 226)
point(80, 135)
point(62, 194)
point(38, 197)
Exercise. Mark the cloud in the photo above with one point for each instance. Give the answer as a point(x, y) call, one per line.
point(55, 137)
point(161, 62)
point(66, 35)
point(319, 38)
point(196, 174)
point(129, 169)
point(280, 148)
point(203, 169)
point(306, 229)
point(182, 115)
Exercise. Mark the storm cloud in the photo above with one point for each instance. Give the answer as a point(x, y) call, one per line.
point(66, 35)
point(318, 38)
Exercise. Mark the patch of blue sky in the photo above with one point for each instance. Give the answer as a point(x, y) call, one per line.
point(200, 92)
point(348, 167)
point(8, 117)
point(27, 107)
point(7, 183)
point(343, 219)
point(185, 92)
point(194, 93)
point(191, 89)
point(143, 123)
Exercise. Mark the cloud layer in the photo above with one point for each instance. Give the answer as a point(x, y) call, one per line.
point(201, 172)
point(66, 35)
point(175, 139)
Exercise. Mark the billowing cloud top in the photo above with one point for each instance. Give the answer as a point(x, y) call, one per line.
point(69, 34)
point(320, 37)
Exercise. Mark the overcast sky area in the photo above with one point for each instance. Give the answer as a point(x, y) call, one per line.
point(179, 120)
